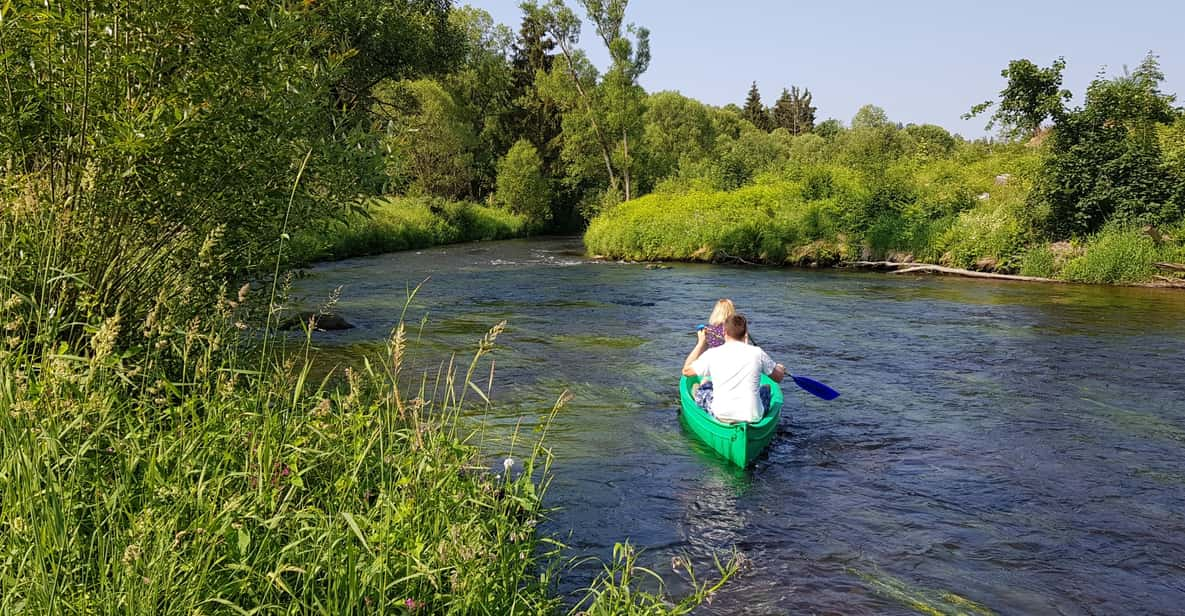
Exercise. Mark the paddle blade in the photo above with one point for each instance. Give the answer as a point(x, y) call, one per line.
point(816, 388)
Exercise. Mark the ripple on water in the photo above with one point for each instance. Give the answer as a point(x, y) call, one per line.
point(997, 448)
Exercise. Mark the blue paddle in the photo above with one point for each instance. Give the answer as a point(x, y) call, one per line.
point(814, 387)
point(811, 386)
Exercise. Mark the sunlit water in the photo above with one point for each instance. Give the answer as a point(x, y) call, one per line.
point(998, 446)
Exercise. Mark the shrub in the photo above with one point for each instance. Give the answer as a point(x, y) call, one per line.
point(522, 189)
point(1039, 261)
point(990, 231)
point(1115, 255)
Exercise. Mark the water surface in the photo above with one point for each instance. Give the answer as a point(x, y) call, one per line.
point(1001, 447)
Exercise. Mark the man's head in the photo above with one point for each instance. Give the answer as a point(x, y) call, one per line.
point(735, 327)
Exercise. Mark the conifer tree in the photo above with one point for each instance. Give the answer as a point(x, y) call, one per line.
point(755, 112)
point(803, 117)
point(783, 112)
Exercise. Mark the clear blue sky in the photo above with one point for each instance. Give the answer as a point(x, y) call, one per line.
point(921, 60)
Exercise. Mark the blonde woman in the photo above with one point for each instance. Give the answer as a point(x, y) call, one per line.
point(713, 336)
point(714, 330)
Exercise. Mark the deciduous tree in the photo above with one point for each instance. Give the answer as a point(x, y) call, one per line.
point(1032, 95)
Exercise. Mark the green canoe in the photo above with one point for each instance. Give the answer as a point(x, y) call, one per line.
point(740, 443)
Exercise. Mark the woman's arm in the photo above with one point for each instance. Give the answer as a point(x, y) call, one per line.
point(700, 344)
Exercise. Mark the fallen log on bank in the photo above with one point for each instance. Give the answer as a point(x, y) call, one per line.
point(877, 266)
point(954, 271)
point(1165, 281)
point(1174, 267)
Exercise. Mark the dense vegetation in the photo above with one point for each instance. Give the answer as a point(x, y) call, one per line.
point(1097, 197)
point(163, 453)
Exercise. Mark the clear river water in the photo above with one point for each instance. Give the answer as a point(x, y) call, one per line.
point(998, 447)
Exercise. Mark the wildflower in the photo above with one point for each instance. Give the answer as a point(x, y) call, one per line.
point(412, 604)
point(507, 464)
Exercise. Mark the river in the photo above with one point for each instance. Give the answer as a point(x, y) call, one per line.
point(998, 447)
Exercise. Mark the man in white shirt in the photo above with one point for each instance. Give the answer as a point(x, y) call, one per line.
point(735, 368)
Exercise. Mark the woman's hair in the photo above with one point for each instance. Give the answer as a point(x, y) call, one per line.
point(722, 311)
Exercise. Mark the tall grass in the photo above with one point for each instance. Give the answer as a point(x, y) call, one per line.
point(404, 223)
point(157, 466)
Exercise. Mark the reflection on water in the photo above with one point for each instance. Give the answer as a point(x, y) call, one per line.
point(998, 447)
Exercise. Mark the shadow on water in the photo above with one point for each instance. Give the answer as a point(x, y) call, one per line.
point(998, 447)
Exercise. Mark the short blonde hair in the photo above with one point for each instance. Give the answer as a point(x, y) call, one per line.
point(724, 309)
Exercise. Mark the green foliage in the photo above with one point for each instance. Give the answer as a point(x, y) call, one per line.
point(522, 189)
point(483, 85)
point(153, 133)
point(432, 145)
point(1033, 94)
point(1116, 254)
point(930, 141)
point(794, 112)
point(405, 223)
point(991, 235)
point(870, 116)
point(132, 489)
point(1105, 161)
point(1039, 261)
point(755, 112)
point(829, 128)
point(677, 129)
point(614, 592)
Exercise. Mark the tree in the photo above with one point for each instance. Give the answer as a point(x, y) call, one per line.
point(605, 114)
point(930, 141)
point(755, 112)
point(829, 128)
point(870, 116)
point(1032, 95)
point(167, 124)
point(436, 143)
point(793, 111)
point(483, 86)
point(677, 129)
point(522, 188)
point(533, 115)
point(1105, 161)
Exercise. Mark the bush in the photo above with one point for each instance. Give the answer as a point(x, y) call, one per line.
point(989, 234)
point(1039, 261)
point(405, 223)
point(1115, 255)
point(522, 189)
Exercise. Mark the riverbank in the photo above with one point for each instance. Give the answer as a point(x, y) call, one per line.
point(391, 224)
point(972, 215)
point(171, 488)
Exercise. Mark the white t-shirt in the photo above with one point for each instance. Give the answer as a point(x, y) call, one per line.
point(735, 369)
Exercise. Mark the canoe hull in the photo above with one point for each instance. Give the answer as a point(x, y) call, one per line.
point(739, 443)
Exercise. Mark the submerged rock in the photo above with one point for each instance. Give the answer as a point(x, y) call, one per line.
point(321, 322)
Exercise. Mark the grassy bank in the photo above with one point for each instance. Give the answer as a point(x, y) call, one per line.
point(404, 223)
point(969, 211)
point(170, 457)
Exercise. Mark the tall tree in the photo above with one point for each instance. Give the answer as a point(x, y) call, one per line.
point(535, 117)
point(580, 97)
point(754, 111)
point(1032, 95)
point(793, 111)
point(624, 97)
